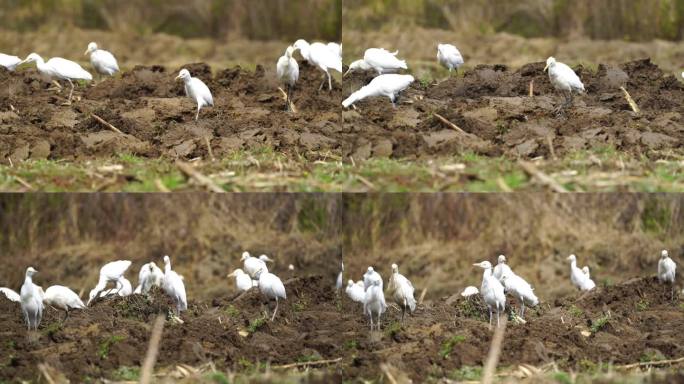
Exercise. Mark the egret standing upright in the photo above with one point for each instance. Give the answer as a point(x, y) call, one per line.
point(401, 290)
point(196, 90)
point(502, 269)
point(59, 69)
point(492, 291)
point(288, 73)
point(564, 79)
point(578, 277)
point(450, 57)
point(31, 300)
point(272, 287)
point(103, 61)
point(174, 287)
point(666, 270)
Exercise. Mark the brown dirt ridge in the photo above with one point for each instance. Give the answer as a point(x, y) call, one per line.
point(156, 119)
point(626, 323)
point(491, 104)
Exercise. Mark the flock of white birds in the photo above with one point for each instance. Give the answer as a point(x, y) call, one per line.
point(325, 57)
point(497, 282)
point(33, 299)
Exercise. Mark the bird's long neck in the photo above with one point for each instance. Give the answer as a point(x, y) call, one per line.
point(28, 280)
point(573, 264)
point(167, 266)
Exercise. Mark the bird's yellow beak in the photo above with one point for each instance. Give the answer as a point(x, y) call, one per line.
point(476, 264)
point(545, 68)
point(177, 77)
point(86, 52)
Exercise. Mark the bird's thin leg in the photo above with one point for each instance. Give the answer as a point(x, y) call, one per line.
point(66, 316)
point(497, 317)
point(322, 84)
point(198, 111)
point(371, 321)
point(522, 311)
point(71, 93)
point(378, 323)
point(403, 312)
point(329, 81)
point(490, 317)
point(275, 310)
point(289, 90)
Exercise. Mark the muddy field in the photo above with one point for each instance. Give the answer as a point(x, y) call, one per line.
point(491, 104)
point(625, 323)
point(155, 119)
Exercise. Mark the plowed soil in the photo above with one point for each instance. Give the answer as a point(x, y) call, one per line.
point(156, 119)
point(641, 321)
point(491, 103)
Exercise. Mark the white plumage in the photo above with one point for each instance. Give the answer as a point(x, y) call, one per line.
point(62, 298)
point(103, 61)
point(401, 290)
point(355, 291)
point(253, 265)
point(579, 279)
point(521, 290)
point(586, 272)
point(340, 277)
point(369, 277)
point(336, 49)
point(320, 56)
point(502, 269)
point(287, 70)
point(174, 287)
point(271, 287)
point(492, 291)
point(449, 56)
point(9, 62)
point(470, 291)
point(110, 272)
point(564, 79)
point(384, 85)
point(196, 90)
point(58, 68)
point(243, 281)
point(666, 268)
point(374, 302)
point(380, 60)
point(10, 294)
point(31, 300)
point(149, 276)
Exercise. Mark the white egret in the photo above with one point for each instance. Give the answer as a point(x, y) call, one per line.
point(253, 265)
point(586, 272)
point(243, 281)
point(336, 49)
point(196, 90)
point(384, 85)
point(449, 56)
point(9, 62)
point(319, 55)
point(10, 294)
point(149, 276)
point(58, 68)
point(492, 291)
point(380, 60)
point(369, 277)
point(666, 270)
point(287, 70)
point(355, 291)
point(564, 79)
point(521, 290)
point(502, 269)
point(103, 61)
point(31, 300)
point(578, 278)
point(174, 287)
point(470, 291)
point(63, 298)
point(271, 287)
point(374, 302)
point(401, 290)
point(113, 272)
point(340, 277)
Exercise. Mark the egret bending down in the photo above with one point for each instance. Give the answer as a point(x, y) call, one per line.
point(564, 79)
point(9, 62)
point(253, 265)
point(103, 61)
point(63, 298)
point(492, 291)
point(288, 73)
point(449, 56)
point(384, 85)
point(271, 287)
point(60, 69)
point(378, 59)
point(113, 272)
point(174, 287)
point(31, 300)
point(502, 269)
point(401, 290)
point(470, 291)
point(666, 270)
point(10, 294)
point(578, 278)
point(243, 281)
point(196, 90)
point(321, 56)
point(355, 291)
point(374, 302)
point(521, 290)
point(369, 277)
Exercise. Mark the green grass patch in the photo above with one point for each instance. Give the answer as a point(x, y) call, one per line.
point(126, 374)
point(217, 377)
point(52, 329)
point(466, 373)
point(575, 311)
point(393, 329)
point(231, 311)
point(255, 324)
point(642, 305)
point(561, 377)
point(449, 344)
point(351, 344)
point(106, 344)
point(599, 324)
point(308, 358)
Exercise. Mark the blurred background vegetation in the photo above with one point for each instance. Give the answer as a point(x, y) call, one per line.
point(635, 20)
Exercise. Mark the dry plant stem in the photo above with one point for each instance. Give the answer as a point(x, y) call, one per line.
point(308, 363)
point(545, 179)
point(152, 351)
point(494, 353)
point(194, 174)
point(106, 124)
